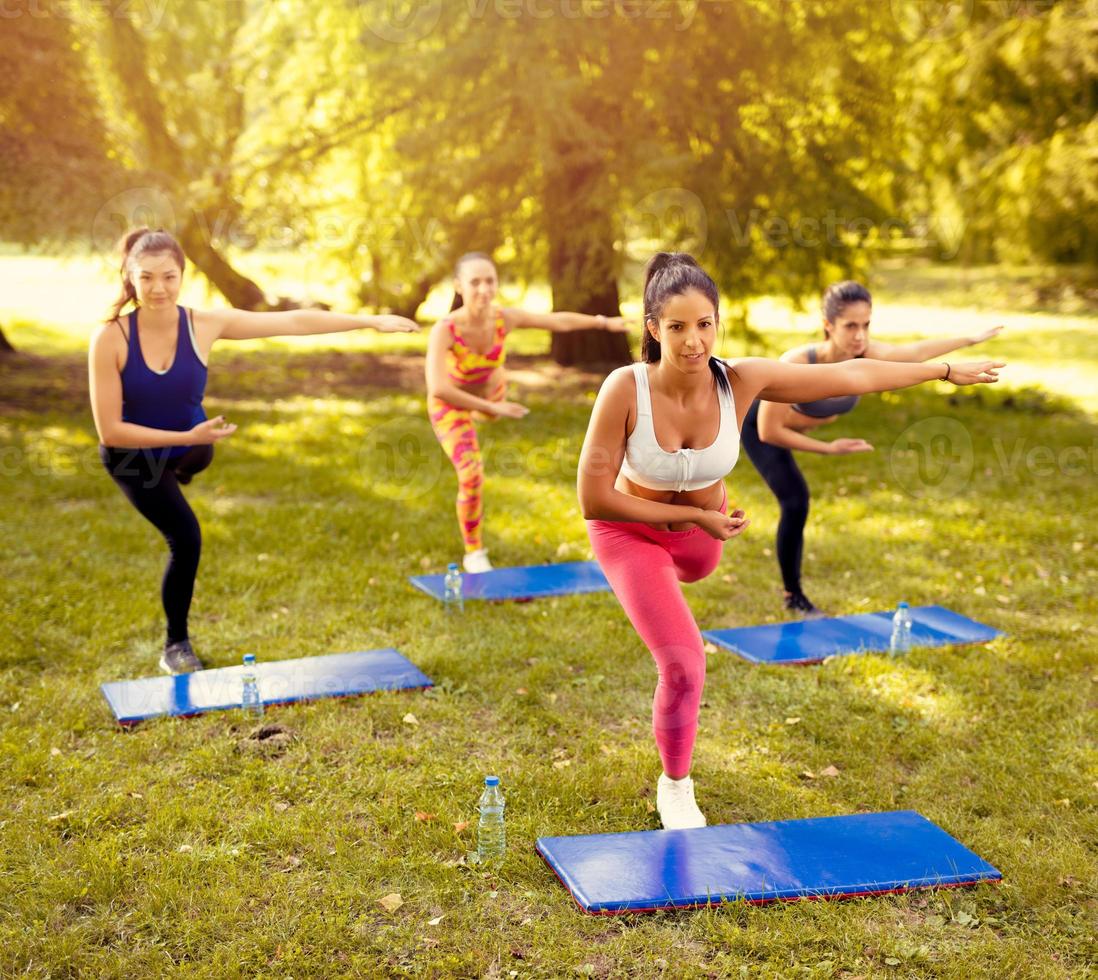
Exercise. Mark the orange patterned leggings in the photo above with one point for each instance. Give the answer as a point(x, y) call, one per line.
point(458, 436)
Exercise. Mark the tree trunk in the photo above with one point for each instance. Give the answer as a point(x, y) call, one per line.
point(128, 56)
point(238, 289)
point(582, 271)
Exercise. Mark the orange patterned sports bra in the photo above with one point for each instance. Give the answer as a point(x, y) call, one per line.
point(469, 367)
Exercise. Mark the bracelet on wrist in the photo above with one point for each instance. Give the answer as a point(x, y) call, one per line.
point(948, 369)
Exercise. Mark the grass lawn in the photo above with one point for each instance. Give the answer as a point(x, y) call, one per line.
point(176, 848)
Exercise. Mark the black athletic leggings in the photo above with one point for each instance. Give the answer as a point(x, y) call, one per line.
point(151, 482)
point(779, 469)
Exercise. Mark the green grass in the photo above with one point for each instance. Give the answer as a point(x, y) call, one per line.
point(173, 849)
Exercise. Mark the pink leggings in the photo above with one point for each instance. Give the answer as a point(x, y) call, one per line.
point(644, 567)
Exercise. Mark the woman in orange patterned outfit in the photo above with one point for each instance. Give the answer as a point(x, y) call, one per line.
point(466, 380)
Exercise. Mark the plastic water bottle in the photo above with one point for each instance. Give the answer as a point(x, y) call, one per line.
point(452, 589)
point(491, 837)
point(250, 700)
point(901, 630)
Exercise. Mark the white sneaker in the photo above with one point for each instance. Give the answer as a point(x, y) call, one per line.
point(476, 562)
point(675, 803)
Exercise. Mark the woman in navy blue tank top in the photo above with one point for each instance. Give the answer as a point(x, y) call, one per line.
point(771, 430)
point(147, 376)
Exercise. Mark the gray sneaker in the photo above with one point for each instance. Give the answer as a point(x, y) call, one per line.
point(179, 658)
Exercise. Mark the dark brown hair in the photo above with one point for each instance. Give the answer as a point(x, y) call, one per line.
point(672, 274)
point(142, 241)
point(838, 296)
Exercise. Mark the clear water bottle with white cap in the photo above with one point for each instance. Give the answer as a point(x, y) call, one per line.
point(901, 630)
point(250, 700)
point(491, 837)
point(452, 591)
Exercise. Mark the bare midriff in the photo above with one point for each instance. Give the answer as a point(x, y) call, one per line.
point(707, 498)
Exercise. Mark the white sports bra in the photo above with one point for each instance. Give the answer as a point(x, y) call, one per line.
point(648, 465)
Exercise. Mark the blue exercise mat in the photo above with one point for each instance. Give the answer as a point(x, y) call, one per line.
point(824, 857)
point(809, 641)
point(280, 682)
point(529, 582)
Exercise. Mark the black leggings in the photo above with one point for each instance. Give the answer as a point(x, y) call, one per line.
point(779, 469)
point(151, 482)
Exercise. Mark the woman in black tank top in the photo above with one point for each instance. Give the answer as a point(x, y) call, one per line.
point(771, 431)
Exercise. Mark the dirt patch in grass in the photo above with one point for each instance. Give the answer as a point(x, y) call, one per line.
point(31, 383)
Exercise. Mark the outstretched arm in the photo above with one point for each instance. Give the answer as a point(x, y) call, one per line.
point(781, 381)
point(924, 350)
point(244, 325)
point(563, 322)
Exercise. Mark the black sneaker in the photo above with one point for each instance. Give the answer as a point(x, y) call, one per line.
point(179, 658)
point(799, 603)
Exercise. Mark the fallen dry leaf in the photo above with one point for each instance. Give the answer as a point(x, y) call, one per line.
point(808, 774)
point(521, 691)
point(460, 826)
point(829, 771)
point(410, 719)
point(391, 902)
point(710, 648)
point(792, 721)
point(55, 751)
point(436, 920)
point(562, 763)
point(64, 815)
point(424, 817)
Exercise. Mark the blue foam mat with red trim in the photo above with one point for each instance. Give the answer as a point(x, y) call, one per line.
point(809, 641)
point(822, 857)
point(522, 582)
point(279, 681)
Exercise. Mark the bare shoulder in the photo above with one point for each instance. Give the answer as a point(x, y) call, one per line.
point(109, 335)
point(797, 355)
point(441, 330)
point(619, 383)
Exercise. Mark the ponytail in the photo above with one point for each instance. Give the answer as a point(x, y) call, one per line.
point(142, 241)
point(670, 274)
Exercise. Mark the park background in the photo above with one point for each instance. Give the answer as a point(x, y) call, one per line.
point(344, 154)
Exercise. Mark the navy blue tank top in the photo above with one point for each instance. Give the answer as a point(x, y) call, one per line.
point(170, 400)
point(825, 407)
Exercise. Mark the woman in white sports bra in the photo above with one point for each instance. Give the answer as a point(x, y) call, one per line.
point(663, 435)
